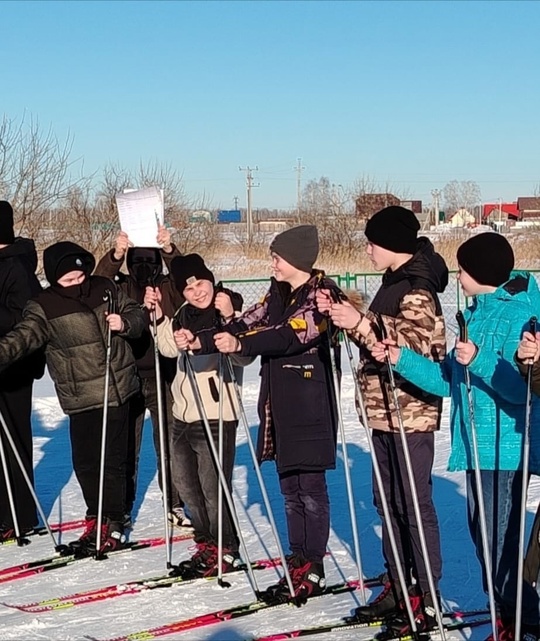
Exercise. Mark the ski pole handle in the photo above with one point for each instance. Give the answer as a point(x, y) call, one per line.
point(111, 301)
point(462, 325)
point(379, 327)
point(532, 325)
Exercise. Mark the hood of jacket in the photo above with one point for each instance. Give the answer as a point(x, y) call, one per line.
point(521, 286)
point(23, 248)
point(425, 264)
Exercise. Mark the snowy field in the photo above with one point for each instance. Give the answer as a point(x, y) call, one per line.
point(62, 500)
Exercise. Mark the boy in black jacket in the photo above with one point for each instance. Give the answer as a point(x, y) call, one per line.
point(18, 283)
point(296, 401)
point(70, 320)
point(145, 269)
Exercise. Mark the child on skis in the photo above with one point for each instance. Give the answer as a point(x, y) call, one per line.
point(503, 302)
point(408, 305)
point(145, 269)
point(70, 320)
point(18, 283)
point(296, 401)
point(193, 467)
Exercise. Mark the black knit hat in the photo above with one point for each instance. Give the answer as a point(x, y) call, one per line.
point(7, 236)
point(187, 269)
point(487, 257)
point(394, 228)
point(299, 246)
point(64, 257)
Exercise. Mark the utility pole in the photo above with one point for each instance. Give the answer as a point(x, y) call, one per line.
point(235, 202)
point(298, 170)
point(249, 185)
point(436, 194)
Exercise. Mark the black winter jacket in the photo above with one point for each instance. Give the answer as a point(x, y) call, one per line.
point(70, 324)
point(18, 283)
point(297, 410)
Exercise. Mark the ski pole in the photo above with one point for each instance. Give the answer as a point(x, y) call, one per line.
point(20, 540)
point(344, 449)
point(463, 337)
point(524, 488)
point(223, 481)
point(162, 449)
point(109, 299)
point(61, 549)
point(260, 479)
point(378, 479)
point(220, 455)
point(412, 483)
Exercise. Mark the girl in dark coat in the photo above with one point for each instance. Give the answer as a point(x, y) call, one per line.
point(297, 400)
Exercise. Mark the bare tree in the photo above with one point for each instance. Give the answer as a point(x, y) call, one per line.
point(35, 171)
point(460, 194)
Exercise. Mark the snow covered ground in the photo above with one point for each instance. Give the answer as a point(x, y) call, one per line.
point(62, 500)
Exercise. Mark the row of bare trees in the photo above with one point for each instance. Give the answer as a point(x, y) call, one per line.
point(53, 199)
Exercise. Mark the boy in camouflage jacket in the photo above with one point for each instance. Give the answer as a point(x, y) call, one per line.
point(408, 305)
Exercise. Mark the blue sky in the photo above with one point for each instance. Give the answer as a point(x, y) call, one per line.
point(411, 93)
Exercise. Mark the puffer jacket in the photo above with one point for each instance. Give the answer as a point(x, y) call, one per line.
point(495, 322)
point(70, 323)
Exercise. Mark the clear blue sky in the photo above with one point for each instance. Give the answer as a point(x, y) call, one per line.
point(414, 93)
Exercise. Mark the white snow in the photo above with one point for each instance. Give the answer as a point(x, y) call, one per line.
point(62, 500)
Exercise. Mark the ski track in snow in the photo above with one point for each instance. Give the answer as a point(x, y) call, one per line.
point(62, 499)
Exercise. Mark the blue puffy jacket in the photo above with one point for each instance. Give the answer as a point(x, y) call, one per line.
point(496, 322)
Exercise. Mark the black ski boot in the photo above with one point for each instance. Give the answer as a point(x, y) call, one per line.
point(113, 537)
point(307, 579)
point(85, 545)
point(386, 604)
point(423, 612)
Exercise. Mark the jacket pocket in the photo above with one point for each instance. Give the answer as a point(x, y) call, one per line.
point(300, 395)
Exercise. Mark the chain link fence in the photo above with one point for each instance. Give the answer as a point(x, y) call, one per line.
point(451, 299)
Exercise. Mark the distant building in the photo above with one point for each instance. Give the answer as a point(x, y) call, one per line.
point(369, 204)
point(414, 205)
point(495, 212)
point(462, 218)
point(200, 216)
point(529, 207)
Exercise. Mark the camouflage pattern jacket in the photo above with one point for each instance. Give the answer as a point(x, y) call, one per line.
point(408, 305)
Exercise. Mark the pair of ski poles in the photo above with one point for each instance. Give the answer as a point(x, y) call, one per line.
point(225, 364)
point(378, 479)
point(463, 336)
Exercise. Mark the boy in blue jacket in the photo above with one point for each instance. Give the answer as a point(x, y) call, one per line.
point(503, 302)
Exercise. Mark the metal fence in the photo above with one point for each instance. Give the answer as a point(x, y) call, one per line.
point(452, 298)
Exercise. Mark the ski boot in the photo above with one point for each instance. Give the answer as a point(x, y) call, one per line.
point(307, 579)
point(85, 545)
point(112, 537)
point(386, 604)
point(423, 612)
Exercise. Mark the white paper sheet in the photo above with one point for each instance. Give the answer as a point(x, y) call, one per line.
point(140, 213)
